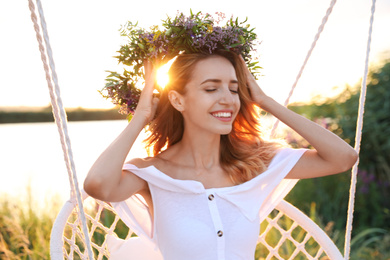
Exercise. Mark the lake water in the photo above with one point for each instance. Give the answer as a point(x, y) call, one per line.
point(31, 156)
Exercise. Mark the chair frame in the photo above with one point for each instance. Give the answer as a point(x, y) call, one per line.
point(284, 208)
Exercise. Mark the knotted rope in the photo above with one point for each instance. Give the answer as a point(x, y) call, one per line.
point(59, 113)
point(359, 126)
point(313, 45)
point(358, 138)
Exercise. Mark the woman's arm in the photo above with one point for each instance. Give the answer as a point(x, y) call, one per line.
point(106, 180)
point(330, 155)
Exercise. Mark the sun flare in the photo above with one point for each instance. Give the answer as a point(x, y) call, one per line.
point(162, 74)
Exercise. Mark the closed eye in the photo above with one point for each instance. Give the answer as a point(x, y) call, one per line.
point(234, 91)
point(211, 90)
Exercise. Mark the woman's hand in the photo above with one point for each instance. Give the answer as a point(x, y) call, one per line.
point(105, 179)
point(330, 154)
point(256, 92)
point(147, 104)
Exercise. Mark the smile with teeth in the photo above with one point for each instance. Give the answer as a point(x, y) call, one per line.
point(222, 114)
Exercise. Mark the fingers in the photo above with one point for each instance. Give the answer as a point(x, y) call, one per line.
point(147, 104)
point(150, 77)
point(147, 67)
point(254, 89)
point(247, 72)
point(243, 63)
point(155, 103)
point(150, 71)
point(242, 59)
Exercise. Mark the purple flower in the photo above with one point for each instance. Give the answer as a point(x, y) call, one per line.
point(195, 33)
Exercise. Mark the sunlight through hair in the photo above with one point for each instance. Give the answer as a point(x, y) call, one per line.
point(162, 73)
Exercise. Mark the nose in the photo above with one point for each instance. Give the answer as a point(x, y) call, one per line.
point(227, 97)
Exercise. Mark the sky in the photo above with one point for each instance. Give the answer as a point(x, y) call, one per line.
point(84, 37)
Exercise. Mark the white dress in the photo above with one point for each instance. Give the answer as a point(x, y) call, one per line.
point(192, 223)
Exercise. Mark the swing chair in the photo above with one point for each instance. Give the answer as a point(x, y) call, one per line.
point(87, 228)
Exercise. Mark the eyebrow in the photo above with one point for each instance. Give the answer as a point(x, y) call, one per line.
point(218, 81)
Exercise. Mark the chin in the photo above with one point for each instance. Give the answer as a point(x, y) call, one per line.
point(225, 131)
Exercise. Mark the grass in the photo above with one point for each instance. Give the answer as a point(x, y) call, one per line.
point(25, 229)
point(372, 243)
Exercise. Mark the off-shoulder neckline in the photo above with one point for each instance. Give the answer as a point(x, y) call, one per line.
point(198, 183)
point(201, 185)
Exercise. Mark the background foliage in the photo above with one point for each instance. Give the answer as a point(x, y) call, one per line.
point(24, 234)
point(329, 195)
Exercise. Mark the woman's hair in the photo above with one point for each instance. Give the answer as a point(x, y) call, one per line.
point(244, 153)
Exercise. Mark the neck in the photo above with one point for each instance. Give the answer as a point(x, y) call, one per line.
point(201, 151)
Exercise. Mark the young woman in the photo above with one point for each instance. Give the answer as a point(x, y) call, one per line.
point(213, 177)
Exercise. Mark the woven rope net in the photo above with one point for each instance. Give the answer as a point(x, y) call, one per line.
point(101, 221)
point(281, 237)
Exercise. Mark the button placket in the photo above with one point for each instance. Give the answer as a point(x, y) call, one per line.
point(212, 202)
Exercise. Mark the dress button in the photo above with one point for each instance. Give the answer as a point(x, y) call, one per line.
point(220, 233)
point(211, 197)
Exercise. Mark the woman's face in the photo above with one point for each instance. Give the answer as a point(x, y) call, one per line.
point(211, 101)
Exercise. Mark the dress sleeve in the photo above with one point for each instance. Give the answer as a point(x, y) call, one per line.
point(278, 186)
point(134, 211)
point(260, 195)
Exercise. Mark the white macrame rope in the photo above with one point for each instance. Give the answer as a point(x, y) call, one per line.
point(61, 122)
point(358, 138)
point(59, 114)
point(317, 36)
point(48, 78)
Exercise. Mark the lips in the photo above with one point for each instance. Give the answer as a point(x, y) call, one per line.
point(223, 115)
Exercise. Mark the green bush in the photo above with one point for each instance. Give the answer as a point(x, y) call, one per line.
point(372, 206)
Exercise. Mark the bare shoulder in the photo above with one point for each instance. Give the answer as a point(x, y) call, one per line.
point(131, 183)
point(143, 162)
point(162, 161)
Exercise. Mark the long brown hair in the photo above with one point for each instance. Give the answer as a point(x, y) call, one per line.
point(244, 152)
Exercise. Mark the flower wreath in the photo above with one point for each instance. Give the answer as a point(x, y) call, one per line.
point(192, 34)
